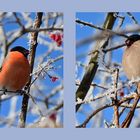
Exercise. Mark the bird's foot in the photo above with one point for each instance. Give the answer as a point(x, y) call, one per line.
point(4, 91)
point(26, 87)
point(21, 92)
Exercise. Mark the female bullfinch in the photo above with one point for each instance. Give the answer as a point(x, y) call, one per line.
point(131, 57)
point(15, 71)
point(131, 66)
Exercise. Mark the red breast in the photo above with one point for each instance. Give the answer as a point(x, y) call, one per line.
point(15, 71)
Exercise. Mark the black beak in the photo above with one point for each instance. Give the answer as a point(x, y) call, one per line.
point(26, 53)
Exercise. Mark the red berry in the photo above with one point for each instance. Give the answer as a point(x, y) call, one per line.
point(59, 43)
point(121, 94)
point(53, 36)
point(54, 79)
point(57, 38)
point(53, 116)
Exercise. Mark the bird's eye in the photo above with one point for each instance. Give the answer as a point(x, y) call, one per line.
point(129, 42)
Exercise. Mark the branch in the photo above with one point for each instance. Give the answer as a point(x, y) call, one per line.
point(101, 29)
point(19, 33)
point(115, 100)
point(102, 108)
point(33, 45)
point(18, 20)
point(114, 48)
point(43, 29)
point(126, 123)
point(93, 114)
point(59, 106)
point(93, 63)
point(132, 17)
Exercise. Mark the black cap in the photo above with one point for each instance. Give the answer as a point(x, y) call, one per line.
point(24, 51)
point(131, 39)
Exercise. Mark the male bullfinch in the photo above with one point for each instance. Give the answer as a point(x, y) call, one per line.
point(15, 71)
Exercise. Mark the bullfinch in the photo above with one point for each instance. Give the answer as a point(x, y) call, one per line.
point(131, 66)
point(15, 70)
point(131, 57)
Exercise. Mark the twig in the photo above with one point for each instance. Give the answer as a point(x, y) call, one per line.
point(111, 49)
point(4, 48)
point(114, 48)
point(89, 24)
point(54, 22)
point(43, 29)
point(111, 32)
point(59, 106)
point(124, 107)
point(19, 33)
point(122, 18)
point(42, 68)
point(132, 17)
point(93, 114)
point(18, 20)
point(115, 100)
point(95, 85)
point(126, 123)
